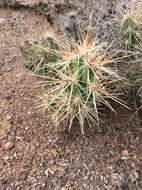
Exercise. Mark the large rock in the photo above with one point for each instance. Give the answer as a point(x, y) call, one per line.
point(18, 3)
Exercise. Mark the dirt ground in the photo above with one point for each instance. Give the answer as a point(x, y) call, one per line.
point(34, 156)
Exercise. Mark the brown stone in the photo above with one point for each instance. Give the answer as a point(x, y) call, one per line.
point(8, 145)
point(54, 152)
point(54, 168)
point(125, 153)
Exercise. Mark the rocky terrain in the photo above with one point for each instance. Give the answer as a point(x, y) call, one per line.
point(34, 156)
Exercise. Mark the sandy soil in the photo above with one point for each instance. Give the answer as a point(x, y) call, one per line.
point(34, 157)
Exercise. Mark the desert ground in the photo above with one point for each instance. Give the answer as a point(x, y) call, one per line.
point(35, 156)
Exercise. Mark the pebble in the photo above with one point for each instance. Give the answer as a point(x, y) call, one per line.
point(54, 152)
point(2, 20)
point(61, 169)
point(54, 168)
point(64, 188)
point(46, 173)
point(8, 145)
point(51, 171)
point(125, 153)
point(8, 117)
point(6, 158)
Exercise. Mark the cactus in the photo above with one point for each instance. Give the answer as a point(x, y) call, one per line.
point(38, 55)
point(79, 82)
point(135, 77)
point(130, 33)
point(131, 22)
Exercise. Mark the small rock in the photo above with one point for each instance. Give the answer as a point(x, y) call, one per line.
point(8, 117)
point(54, 168)
point(51, 170)
point(61, 169)
point(2, 130)
point(8, 145)
point(2, 20)
point(125, 153)
point(64, 188)
point(6, 158)
point(46, 173)
point(54, 152)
